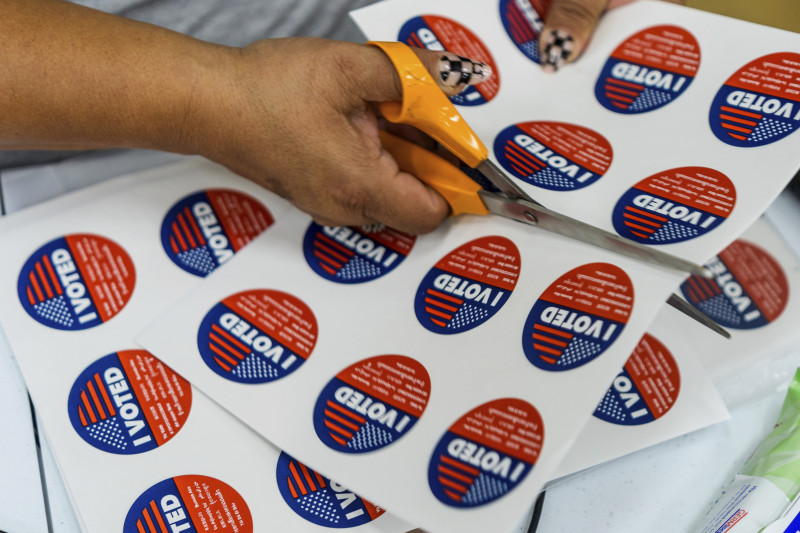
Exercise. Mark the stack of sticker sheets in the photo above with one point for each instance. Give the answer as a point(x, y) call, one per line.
point(445, 377)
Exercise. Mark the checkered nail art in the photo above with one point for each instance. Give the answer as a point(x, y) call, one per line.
point(457, 71)
point(558, 47)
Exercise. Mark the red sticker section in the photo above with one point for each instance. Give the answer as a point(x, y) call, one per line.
point(213, 505)
point(601, 289)
point(164, 396)
point(107, 271)
point(243, 218)
point(774, 75)
point(662, 47)
point(646, 389)
point(675, 205)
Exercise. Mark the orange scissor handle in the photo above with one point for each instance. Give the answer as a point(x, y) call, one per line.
point(456, 187)
point(427, 108)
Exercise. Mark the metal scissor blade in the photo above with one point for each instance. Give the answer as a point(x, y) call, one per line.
point(500, 180)
point(544, 218)
point(689, 310)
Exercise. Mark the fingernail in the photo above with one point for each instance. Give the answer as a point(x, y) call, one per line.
point(558, 47)
point(457, 71)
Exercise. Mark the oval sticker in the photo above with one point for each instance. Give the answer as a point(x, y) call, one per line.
point(129, 402)
point(749, 289)
point(76, 282)
point(190, 504)
point(468, 286)
point(372, 403)
point(257, 336)
point(760, 103)
point(439, 33)
point(523, 21)
point(648, 70)
point(578, 317)
point(675, 205)
point(203, 230)
point(486, 453)
point(646, 389)
point(350, 254)
point(320, 500)
point(553, 155)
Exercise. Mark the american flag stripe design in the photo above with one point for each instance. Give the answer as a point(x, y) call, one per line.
point(457, 477)
point(642, 223)
point(229, 351)
point(414, 41)
point(342, 423)
point(150, 522)
point(185, 233)
point(441, 307)
point(738, 122)
point(520, 160)
point(302, 479)
point(521, 30)
point(700, 289)
point(332, 256)
point(549, 342)
point(622, 93)
point(43, 284)
point(96, 404)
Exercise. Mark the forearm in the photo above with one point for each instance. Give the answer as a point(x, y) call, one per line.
point(76, 78)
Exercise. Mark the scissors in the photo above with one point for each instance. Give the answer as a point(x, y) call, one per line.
point(427, 108)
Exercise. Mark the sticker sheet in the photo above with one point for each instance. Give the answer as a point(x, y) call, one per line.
point(139, 447)
point(662, 392)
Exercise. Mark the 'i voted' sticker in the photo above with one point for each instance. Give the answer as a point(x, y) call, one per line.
point(648, 70)
point(578, 317)
point(189, 504)
point(439, 33)
point(257, 336)
point(486, 453)
point(468, 286)
point(760, 103)
point(372, 403)
point(320, 500)
point(749, 289)
point(129, 402)
point(353, 255)
point(553, 155)
point(203, 230)
point(76, 282)
point(675, 205)
point(523, 21)
point(646, 389)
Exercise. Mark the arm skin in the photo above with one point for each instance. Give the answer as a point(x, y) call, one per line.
point(293, 115)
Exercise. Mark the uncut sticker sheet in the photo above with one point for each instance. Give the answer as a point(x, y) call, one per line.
point(139, 448)
point(662, 392)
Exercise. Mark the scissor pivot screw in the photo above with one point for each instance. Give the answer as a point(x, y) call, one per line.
point(530, 216)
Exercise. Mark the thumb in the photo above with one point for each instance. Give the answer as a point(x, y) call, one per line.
point(567, 29)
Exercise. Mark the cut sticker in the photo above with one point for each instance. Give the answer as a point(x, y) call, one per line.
point(320, 500)
point(352, 255)
point(257, 336)
point(553, 155)
point(129, 402)
point(675, 205)
point(189, 504)
point(440, 33)
point(578, 317)
point(76, 282)
point(372, 403)
point(203, 230)
point(648, 70)
point(468, 286)
point(646, 389)
point(760, 103)
point(523, 21)
point(749, 289)
point(486, 453)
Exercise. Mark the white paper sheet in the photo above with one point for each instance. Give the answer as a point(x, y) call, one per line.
point(103, 400)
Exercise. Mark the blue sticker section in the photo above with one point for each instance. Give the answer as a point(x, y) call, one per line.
point(347, 255)
point(629, 88)
point(164, 500)
point(463, 473)
point(623, 404)
point(52, 290)
point(318, 499)
point(418, 34)
point(530, 160)
point(559, 338)
point(104, 410)
point(350, 420)
point(240, 352)
point(193, 237)
point(659, 220)
point(523, 24)
point(743, 118)
point(448, 304)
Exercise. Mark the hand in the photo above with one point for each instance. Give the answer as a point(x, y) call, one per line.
point(569, 26)
point(296, 115)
